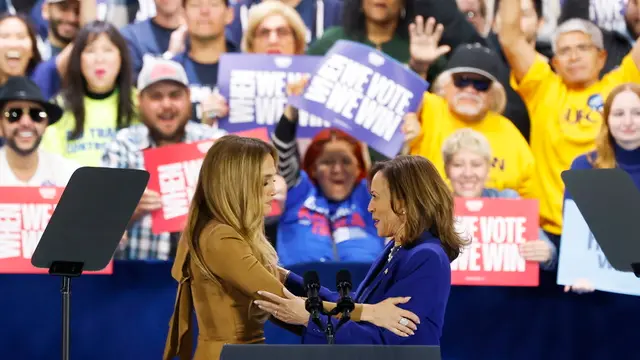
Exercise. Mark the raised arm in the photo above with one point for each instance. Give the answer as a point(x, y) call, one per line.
point(284, 138)
point(519, 53)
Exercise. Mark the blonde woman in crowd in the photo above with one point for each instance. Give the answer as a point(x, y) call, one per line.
point(274, 28)
point(467, 161)
point(97, 95)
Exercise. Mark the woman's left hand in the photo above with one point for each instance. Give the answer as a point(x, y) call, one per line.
point(290, 309)
point(536, 250)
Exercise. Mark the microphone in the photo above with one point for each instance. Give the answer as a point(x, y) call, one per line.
point(345, 304)
point(313, 304)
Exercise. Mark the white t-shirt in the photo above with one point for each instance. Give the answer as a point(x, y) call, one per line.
point(53, 170)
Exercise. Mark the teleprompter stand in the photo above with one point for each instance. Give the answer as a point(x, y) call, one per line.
point(333, 352)
point(610, 204)
point(86, 227)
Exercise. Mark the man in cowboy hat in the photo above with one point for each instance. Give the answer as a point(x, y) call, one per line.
point(24, 116)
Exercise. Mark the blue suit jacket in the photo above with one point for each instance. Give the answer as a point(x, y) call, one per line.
point(422, 272)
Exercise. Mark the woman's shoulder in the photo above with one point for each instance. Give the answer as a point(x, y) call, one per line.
point(428, 251)
point(217, 230)
point(500, 194)
point(583, 161)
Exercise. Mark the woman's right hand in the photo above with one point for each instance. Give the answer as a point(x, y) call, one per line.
point(295, 88)
point(581, 286)
point(387, 315)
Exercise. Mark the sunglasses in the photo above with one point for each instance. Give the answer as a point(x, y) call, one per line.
point(15, 114)
point(462, 82)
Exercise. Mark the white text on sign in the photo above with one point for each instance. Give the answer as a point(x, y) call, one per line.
point(260, 97)
point(495, 244)
point(177, 184)
point(344, 86)
point(21, 227)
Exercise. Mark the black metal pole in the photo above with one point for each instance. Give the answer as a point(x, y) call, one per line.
point(66, 308)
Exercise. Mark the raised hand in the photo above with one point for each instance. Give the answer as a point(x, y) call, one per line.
point(423, 43)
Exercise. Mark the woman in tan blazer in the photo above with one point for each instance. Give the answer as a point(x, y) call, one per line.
point(223, 257)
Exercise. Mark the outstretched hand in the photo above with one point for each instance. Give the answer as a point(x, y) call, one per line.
point(424, 38)
point(289, 309)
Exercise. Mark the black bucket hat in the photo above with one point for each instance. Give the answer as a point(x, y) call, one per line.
point(20, 88)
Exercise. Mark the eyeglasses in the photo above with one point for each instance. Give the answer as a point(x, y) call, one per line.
point(481, 85)
point(15, 114)
point(281, 32)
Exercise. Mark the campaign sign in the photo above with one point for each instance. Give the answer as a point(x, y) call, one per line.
point(24, 214)
point(255, 88)
point(580, 258)
point(174, 171)
point(497, 228)
point(364, 92)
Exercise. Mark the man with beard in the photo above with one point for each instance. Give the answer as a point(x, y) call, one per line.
point(470, 96)
point(165, 110)
point(64, 21)
point(24, 116)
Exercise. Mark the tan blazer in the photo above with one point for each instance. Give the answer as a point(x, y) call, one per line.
point(225, 312)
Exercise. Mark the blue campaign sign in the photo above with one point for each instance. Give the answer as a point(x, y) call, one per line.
point(581, 258)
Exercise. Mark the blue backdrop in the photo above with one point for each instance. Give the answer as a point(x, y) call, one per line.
point(125, 316)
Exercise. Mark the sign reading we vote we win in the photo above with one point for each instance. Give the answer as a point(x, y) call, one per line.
point(496, 229)
point(364, 92)
point(255, 88)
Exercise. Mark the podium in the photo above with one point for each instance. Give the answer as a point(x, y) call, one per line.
point(609, 201)
point(332, 352)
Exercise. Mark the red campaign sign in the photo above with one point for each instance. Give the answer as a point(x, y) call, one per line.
point(24, 214)
point(174, 171)
point(497, 227)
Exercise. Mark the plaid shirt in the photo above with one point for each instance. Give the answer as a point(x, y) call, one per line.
point(125, 152)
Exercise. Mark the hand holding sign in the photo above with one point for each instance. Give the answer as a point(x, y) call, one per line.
point(295, 88)
point(536, 250)
point(214, 107)
point(150, 201)
point(423, 44)
point(411, 129)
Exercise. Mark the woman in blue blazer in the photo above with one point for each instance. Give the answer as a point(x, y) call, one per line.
point(411, 204)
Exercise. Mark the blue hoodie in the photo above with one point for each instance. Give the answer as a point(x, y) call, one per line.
point(314, 229)
point(317, 15)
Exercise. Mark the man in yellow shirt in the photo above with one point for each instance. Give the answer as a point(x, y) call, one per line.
point(473, 98)
point(565, 105)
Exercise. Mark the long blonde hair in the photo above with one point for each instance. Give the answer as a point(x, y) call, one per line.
point(230, 191)
point(604, 156)
point(263, 10)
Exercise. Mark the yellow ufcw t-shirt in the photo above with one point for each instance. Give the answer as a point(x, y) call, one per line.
point(100, 127)
point(564, 125)
point(512, 165)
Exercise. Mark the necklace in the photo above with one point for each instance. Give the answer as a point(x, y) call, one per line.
point(393, 251)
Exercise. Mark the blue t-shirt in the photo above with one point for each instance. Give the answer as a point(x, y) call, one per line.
point(145, 37)
point(203, 79)
point(47, 78)
point(317, 15)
